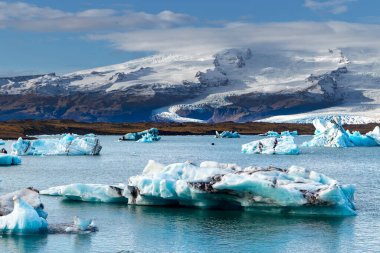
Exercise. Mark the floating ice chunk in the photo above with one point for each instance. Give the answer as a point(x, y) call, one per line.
point(375, 135)
point(227, 134)
point(284, 133)
point(282, 146)
point(23, 219)
point(7, 159)
point(329, 134)
point(361, 140)
point(148, 138)
point(272, 190)
point(68, 144)
point(2, 142)
point(88, 192)
point(151, 135)
point(82, 225)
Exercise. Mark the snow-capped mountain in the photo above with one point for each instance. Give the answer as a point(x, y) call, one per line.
point(232, 85)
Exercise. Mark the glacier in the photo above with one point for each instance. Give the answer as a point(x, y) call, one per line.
point(67, 144)
point(8, 159)
point(330, 133)
point(88, 192)
point(213, 185)
point(227, 134)
point(283, 145)
point(149, 135)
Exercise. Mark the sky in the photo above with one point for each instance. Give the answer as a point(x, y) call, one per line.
point(43, 36)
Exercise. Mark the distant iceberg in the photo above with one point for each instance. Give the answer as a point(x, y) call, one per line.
point(284, 133)
point(283, 145)
point(88, 192)
point(146, 136)
point(227, 134)
point(332, 134)
point(2, 142)
point(68, 144)
point(7, 159)
point(228, 186)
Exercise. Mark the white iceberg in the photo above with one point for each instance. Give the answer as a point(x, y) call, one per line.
point(282, 146)
point(214, 185)
point(149, 135)
point(8, 159)
point(227, 134)
point(228, 186)
point(332, 134)
point(68, 144)
point(88, 192)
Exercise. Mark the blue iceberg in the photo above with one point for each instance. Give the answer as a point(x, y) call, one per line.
point(148, 136)
point(284, 133)
point(292, 191)
point(332, 134)
point(283, 145)
point(227, 134)
point(67, 144)
point(8, 159)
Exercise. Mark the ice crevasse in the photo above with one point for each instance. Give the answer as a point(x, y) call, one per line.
point(67, 144)
point(217, 185)
point(282, 146)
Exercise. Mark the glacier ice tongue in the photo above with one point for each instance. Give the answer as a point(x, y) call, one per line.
point(68, 144)
point(88, 192)
point(227, 134)
point(283, 145)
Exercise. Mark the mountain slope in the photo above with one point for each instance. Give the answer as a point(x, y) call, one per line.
point(233, 85)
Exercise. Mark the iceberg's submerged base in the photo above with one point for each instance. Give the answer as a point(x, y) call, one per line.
point(212, 185)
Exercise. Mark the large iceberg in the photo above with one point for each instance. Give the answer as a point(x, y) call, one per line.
point(8, 159)
point(88, 192)
point(283, 133)
point(282, 146)
point(227, 186)
point(227, 134)
point(68, 144)
point(332, 134)
point(149, 135)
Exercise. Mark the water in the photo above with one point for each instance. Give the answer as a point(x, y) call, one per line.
point(160, 229)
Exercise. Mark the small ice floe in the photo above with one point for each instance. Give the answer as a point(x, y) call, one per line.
point(2, 142)
point(67, 144)
point(284, 133)
point(88, 192)
point(149, 135)
point(8, 159)
point(283, 145)
point(227, 134)
point(79, 226)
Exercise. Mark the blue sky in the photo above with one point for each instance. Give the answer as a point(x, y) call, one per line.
point(41, 36)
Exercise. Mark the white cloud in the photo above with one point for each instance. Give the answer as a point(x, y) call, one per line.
point(331, 6)
point(29, 17)
point(310, 36)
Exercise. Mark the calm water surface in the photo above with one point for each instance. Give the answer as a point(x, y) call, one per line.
point(157, 229)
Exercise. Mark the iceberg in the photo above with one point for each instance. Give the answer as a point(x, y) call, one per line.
point(227, 134)
point(2, 142)
point(68, 144)
point(284, 133)
point(21, 212)
point(88, 192)
point(8, 159)
point(148, 135)
point(216, 185)
point(283, 145)
point(292, 191)
point(332, 134)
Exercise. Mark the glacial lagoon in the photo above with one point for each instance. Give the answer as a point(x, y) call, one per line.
point(168, 229)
